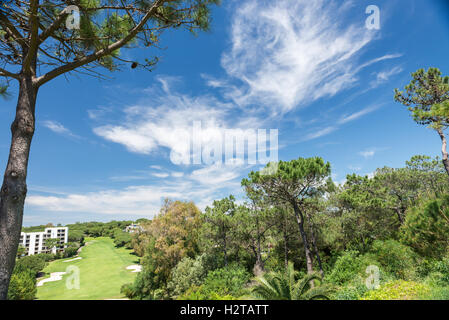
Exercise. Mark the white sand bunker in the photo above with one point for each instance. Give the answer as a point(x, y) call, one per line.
point(54, 276)
point(78, 258)
point(134, 267)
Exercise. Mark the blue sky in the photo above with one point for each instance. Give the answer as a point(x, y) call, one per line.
point(310, 69)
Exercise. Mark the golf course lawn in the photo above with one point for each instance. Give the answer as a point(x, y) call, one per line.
point(102, 272)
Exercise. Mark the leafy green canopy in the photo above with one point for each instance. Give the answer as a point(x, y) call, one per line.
point(291, 180)
point(427, 97)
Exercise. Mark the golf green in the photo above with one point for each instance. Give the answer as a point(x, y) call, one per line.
point(101, 273)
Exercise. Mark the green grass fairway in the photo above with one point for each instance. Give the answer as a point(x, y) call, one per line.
point(102, 273)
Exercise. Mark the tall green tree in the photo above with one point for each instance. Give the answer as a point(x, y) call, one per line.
point(293, 182)
point(42, 40)
point(427, 98)
point(256, 220)
point(219, 226)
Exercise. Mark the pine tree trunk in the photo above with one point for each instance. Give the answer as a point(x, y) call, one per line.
point(285, 248)
point(317, 254)
point(259, 260)
point(300, 220)
point(444, 150)
point(14, 189)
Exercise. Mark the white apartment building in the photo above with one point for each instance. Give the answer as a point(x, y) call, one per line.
point(133, 228)
point(34, 242)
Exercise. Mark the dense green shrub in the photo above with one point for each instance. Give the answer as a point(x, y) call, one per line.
point(395, 258)
point(438, 273)
point(122, 239)
point(224, 283)
point(349, 266)
point(436, 293)
point(352, 291)
point(70, 252)
point(443, 268)
point(22, 285)
point(398, 290)
point(34, 263)
point(426, 228)
point(187, 274)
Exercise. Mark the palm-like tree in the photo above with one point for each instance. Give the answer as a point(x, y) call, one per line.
point(284, 286)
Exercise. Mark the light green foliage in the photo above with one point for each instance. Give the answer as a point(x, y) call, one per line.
point(350, 265)
point(22, 285)
point(443, 268)
point(436, 293)
point(398, 290)
point(395, 258)
point(188, 273)
point(430, 174)
point(286, 286)
point(23, 280)
point(438, 273)
point(228, 282)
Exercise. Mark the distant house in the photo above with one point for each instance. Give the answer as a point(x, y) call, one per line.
point(133, 228)
point(34, 242)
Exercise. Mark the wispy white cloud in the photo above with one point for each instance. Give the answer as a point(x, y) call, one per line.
point(58, 128)
point(320, 133)
point(384, 76)
point(288, 53)
point(358, 114)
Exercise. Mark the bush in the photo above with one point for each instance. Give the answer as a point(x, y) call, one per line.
point(70, 252)
point(437, 293)
point(395, 258)
point(443, 268)
point(425, 229)
point(398, 290)
point(438, 274)
point(188, 273)
point(22, 285)
point(35, 263)
point(350, 267)
point(225, 283)
point(122, 238)
point(351, 292)
point(46, 256)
